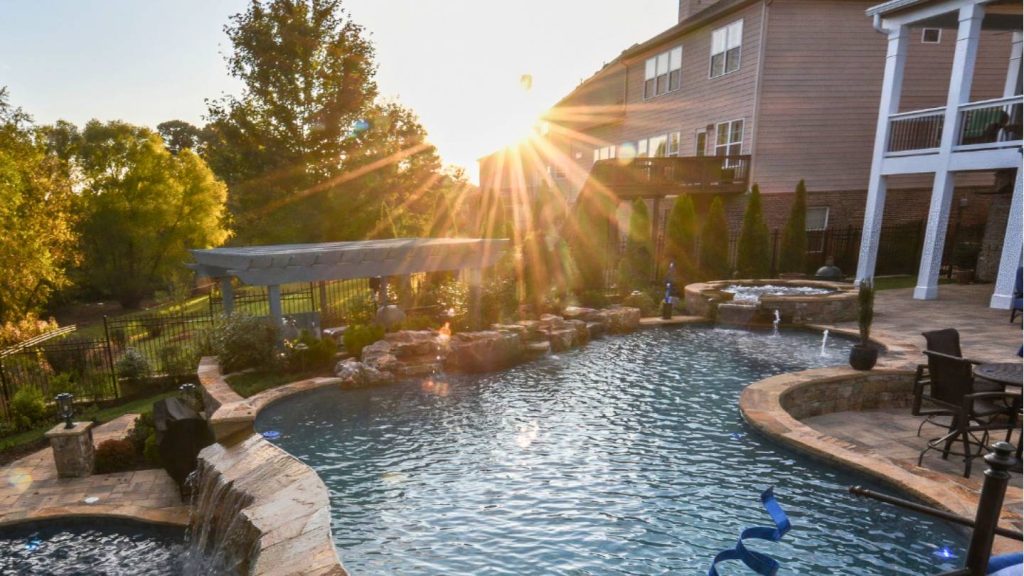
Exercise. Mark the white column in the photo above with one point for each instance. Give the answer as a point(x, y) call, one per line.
point(274, 300)
point(1011, 256)
point(967, 38)
point(892, 87)
point(1013, 71)
point(227, 296)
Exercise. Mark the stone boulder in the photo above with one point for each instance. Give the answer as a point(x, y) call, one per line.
point(582, 333)
point(484, 351)
point(355, 374)
point(622, 319)
point(379, 356)
point(413, 343)
point(562, 339)
point(578, 313)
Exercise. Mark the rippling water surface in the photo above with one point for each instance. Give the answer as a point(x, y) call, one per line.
point(68, 547)
point(626, 457)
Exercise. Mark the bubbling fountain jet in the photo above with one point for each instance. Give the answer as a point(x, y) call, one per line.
point(824, 341)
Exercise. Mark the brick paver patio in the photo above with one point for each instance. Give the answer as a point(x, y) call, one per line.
point(985, 334)
point(30, 488)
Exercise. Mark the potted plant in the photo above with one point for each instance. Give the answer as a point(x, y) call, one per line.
point(864, 355)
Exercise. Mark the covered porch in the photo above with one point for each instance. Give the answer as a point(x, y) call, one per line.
point(961, 137)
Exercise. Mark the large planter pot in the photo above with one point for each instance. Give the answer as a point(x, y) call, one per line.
point(666, 310)
point(863, 357)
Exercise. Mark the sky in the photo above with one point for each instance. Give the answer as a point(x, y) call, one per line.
point(456, 63)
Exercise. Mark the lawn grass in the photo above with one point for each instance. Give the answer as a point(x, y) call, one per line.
point(247, 384)
point(893, 282)
point(20, 444)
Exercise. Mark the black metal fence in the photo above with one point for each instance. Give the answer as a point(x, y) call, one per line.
point(100, 367)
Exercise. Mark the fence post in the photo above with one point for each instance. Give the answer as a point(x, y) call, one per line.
point(3, 385)
point(110, 357)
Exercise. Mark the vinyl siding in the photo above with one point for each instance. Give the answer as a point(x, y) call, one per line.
point(700, 100)
point(821, 86)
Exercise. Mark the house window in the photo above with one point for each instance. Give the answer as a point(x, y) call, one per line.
point(817, 222)
point(605, 153)
point(931, 35)
point(673, 144)
point(725, 48)
point(641, 149)
point(657, 146)
point(663, 73)
point(702, 143)
point(729, 138)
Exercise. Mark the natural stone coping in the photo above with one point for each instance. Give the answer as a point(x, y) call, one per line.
point(674, 321)
point(30, 489)
point(763, 403)
point(231, 415)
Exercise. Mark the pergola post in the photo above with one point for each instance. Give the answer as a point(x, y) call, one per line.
point(475, 278)
point(274, 299)
point(227, 295)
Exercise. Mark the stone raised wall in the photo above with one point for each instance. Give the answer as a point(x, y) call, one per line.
point(703, 299)
point(871, 390)
point(261, 511)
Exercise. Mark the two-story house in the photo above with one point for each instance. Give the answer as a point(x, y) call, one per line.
point(783, 89)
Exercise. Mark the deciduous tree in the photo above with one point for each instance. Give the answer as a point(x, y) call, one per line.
point(142, 209)
point(303, 116)
point(36, 216)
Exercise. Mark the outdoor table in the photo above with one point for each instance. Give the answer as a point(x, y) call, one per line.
point(1010, 375)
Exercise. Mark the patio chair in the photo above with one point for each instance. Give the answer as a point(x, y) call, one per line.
point(1017, 303)
point(973, 413)
point(945, 341)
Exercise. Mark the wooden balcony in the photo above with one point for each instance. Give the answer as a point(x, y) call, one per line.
point(668, 176)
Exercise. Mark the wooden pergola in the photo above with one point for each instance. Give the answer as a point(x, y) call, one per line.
point(274, 265)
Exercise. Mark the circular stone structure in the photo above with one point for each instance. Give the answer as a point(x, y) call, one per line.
point(755, 301)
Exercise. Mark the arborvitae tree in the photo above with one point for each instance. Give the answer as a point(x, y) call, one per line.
point(681, 238)
point(635, 270)
point(753, 257)
point(714, 243)
point(793, 254)
point(586, 232)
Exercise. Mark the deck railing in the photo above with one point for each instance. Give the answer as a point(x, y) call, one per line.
point(980, 125)
point(990, 122)
point(917, 130)
point(667, 172)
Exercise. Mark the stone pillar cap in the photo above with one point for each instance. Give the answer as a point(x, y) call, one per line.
point(60, 430)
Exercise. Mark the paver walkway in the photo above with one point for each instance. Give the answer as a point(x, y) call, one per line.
point(30, 488)
point(985, 334)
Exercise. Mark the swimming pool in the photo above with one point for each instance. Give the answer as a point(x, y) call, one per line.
point(626, 457)
point(76, 546)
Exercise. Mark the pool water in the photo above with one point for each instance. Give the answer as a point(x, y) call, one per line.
point(628, 456)
point(91, 546)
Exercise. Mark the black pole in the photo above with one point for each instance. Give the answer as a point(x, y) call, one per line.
point(110, 357)
point(928, 510)
point(986, 522)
